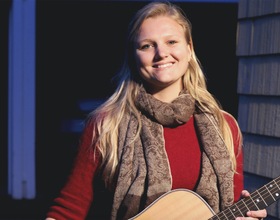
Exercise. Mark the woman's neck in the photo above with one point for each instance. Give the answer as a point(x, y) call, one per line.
point(167, 94)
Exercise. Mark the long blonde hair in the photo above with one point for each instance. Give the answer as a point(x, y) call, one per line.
point(107, 117)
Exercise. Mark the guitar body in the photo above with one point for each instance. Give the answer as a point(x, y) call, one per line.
point(178, 204)
point(184, 204)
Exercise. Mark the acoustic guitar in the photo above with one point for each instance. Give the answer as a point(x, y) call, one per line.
point(183, 204)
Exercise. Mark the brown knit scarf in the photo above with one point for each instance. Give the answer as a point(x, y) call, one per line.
point(144, 170)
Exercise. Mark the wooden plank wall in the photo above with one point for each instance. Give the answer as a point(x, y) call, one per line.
point(258, 52)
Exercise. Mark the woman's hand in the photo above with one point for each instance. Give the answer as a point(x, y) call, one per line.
point(260, 214)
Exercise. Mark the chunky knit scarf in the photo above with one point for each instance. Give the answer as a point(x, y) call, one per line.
point(144, 172)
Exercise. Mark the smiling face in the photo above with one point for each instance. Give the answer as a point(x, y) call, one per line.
point(162, 54)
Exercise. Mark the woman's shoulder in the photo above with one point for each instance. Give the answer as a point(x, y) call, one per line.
point(230, 118)
point(233, 124)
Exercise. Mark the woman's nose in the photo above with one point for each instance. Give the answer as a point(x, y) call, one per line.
point(161, 51)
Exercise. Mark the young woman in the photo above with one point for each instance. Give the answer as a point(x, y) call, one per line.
point(160, 130)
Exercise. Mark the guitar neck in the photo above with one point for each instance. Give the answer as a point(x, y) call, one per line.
point(259, 199)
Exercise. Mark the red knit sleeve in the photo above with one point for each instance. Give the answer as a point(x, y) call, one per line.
point(76, 196)
point(238, 176)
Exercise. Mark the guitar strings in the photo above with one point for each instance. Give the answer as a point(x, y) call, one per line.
point(259, 197)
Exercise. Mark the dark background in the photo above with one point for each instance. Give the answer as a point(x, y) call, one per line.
point(79, 48)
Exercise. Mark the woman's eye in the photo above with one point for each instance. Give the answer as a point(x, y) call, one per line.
point(172, 42)
point(145, 46)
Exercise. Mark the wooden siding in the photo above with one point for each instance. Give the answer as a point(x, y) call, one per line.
point(258, 52)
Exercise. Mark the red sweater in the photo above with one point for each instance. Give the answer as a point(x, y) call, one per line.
point(184, 155)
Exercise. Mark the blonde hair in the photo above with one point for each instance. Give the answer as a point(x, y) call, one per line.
point(107, 117)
